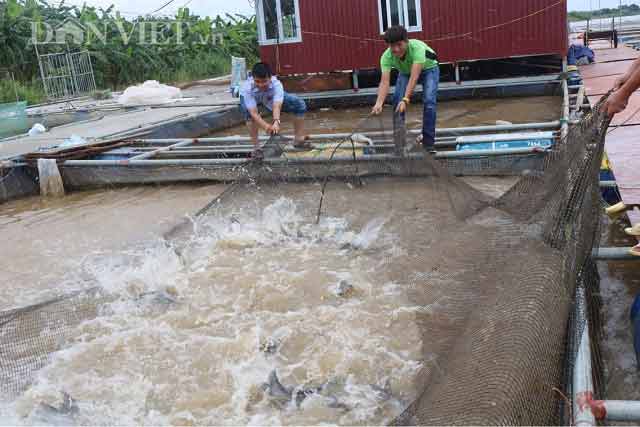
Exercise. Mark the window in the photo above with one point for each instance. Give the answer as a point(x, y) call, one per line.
point(279, 21)
point(400, 12)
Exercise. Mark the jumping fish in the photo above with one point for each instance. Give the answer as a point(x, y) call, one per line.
point(282, 394)
point(64, 415)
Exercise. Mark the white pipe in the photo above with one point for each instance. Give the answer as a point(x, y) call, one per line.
point(337, 159)
point(614, 254)
point(441, 131)
point(235, 162)
point(582, 371)
point(565, 110)
point(621, 410)
point(160, 150)
point(489, 153)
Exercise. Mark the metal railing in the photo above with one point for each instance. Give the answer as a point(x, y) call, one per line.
point(66, 75)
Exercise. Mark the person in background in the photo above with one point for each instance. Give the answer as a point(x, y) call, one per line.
point(262, 88)
point(623, 88)
point(416, 63)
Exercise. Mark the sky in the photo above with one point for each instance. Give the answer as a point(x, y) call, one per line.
point(215, 7)
point(198, 7)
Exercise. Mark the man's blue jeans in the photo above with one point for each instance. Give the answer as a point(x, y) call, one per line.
point(429, 80)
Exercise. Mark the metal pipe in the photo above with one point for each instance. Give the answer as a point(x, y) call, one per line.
point(441, 131)
point(237, 162)
point(583, 389)
point(247, 141)
point(617, 410)
point(608, 184)
point(160, 150)
point(202, 147)
point(497, 128)
point(488, 153)
point(614, 254)
point(337, 159)
point(564, 122)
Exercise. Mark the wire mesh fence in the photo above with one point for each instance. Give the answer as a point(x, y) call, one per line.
point(67, 75)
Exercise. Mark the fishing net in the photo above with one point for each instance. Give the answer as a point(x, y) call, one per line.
point(16, 181)
point(494, 270)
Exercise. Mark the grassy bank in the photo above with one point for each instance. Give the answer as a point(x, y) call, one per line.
point(123, 51)
point(625, 10)
point(32, 92)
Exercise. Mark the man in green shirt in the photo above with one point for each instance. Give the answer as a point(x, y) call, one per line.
point(416, 63)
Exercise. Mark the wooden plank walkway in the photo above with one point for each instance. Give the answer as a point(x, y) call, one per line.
point(623, 139)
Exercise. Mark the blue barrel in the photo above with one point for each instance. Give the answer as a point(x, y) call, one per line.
point(635, 322)
point(505, 145)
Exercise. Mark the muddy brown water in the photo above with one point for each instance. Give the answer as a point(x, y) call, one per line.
point(619, 287)
point(261, 276)
point(450, 114)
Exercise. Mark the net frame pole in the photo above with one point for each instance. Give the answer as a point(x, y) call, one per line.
point(614, 254)
point(583, 388)
point(151, 154)
point(616, 410)
point(293, 162)
point(564, 122)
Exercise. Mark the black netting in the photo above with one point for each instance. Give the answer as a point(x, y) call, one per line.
point(505, 268)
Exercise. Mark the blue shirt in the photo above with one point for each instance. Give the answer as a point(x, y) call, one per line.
point(254, 96)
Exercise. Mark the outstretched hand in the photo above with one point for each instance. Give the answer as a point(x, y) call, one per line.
point(275, 128)
point(401, 108)
point(616, 103)
point(377, 109)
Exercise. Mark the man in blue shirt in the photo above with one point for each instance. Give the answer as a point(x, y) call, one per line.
point(264, 89)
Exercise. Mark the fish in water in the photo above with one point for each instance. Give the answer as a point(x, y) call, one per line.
point(345, 289)
point(283, 395)
point(269, 346)
point(382, 393)
point(159, 297)
point(276, 390)
point(64, 415)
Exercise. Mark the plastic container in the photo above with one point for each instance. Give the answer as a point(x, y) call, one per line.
point(505, 141)
point(238, 74)
point(13, 119)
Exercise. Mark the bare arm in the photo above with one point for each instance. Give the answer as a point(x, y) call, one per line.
point(416, 70)
point(277, 109)
point(619, 99)
point(383, 92)
point(620, 81)
point(255, 115)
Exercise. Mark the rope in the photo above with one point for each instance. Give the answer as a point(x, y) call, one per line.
point(335, 149)
point(249, 164)
point(635, 113)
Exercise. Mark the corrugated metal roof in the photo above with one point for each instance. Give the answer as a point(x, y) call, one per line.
point(345, 34)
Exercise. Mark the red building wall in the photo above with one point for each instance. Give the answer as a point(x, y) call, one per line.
point(345, 34)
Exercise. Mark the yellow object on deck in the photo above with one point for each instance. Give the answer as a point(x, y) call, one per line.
point(616, 210)
point(633, 231)
point(606, 166)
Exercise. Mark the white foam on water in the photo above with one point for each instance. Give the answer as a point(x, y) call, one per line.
point(261, 276)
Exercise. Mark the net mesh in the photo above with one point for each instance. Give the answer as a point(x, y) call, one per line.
point(503, 268)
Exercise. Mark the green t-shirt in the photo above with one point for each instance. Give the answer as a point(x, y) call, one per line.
point(416, 54)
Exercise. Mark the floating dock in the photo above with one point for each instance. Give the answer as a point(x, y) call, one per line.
point(623, 139)
point(165, 144)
